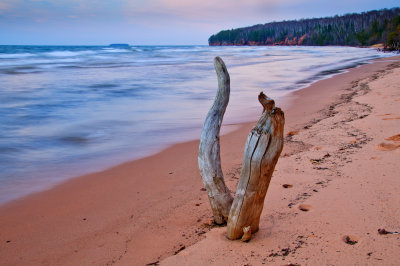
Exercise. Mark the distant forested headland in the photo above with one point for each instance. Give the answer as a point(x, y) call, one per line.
point(364, 29)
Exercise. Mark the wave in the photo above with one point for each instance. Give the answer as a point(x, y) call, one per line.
point(88, 103)
point(68, 53)
point(20, 70)
point(333, 70)
point(103, 85)
point(16, 56)
point(116, 50)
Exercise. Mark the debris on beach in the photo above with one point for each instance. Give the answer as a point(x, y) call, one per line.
point(351, 240)
point(315, 161)
point(246, 234)
point(384, 232)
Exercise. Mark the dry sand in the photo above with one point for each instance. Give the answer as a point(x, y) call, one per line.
point(341, 159)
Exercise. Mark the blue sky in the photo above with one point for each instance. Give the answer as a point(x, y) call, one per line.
point(163, 22)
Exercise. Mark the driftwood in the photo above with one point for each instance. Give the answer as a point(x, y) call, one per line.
point(263, 147)
point(209, 149)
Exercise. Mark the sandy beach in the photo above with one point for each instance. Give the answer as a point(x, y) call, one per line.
point(340, 164)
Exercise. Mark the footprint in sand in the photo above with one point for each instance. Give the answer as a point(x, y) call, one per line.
point(385, 114)
point(375, 158)
point(304, 207)
point(394, 138)
point(391, 118)
point(387, 146)
point(350, 239)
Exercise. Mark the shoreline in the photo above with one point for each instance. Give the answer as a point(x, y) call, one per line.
point(44, 181)
point(148, 209)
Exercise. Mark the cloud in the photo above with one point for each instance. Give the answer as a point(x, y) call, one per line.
point(6, 5)
point(59, 13)
point(138, 11)
point(205, 11)
point(3, 7)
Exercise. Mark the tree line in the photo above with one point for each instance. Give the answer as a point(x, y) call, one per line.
point(357, 29)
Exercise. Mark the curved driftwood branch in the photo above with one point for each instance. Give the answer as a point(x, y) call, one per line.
point(209, 149)
point(263, 147)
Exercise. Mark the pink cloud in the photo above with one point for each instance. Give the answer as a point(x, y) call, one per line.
point(3, 7)
point(204, 11)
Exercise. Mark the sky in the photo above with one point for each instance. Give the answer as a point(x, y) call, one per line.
point(153, 22)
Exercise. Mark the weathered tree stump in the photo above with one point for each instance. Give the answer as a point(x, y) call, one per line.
point(263, 147)
point(209, 149)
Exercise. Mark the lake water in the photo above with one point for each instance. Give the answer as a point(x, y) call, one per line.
point(70, 110)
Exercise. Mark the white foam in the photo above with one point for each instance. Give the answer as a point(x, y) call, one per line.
point(68, 53)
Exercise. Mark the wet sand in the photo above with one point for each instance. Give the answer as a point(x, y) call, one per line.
point(148, 210)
